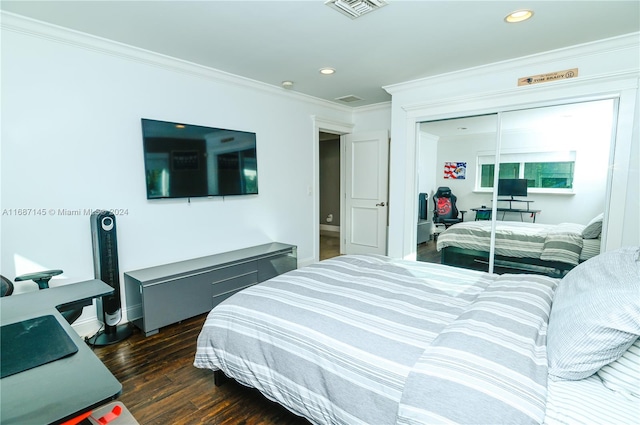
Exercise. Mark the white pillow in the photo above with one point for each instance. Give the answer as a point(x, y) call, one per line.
point(595, 315)
point(594, 227)
point(623, 375)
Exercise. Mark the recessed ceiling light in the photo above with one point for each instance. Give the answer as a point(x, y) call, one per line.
point(327, 71)
point(518, 16)
point(180, 126)
point(287, 84)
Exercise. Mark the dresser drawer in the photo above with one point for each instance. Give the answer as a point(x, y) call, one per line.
point(234, 284)
point(238, 270)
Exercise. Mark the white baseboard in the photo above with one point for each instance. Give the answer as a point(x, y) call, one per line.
point(303, 262)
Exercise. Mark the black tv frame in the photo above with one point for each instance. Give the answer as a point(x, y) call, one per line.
point(189, 168)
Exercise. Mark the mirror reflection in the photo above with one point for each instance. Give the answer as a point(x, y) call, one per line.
point(545, 194)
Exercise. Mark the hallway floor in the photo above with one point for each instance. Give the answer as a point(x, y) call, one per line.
point(330, 247)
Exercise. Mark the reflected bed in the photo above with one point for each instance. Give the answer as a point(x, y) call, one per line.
point(555, 247)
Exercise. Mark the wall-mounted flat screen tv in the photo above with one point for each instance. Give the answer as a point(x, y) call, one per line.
point(512, 187)
point(186, 161)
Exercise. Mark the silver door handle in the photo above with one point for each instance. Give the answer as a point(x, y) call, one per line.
point(381, 204)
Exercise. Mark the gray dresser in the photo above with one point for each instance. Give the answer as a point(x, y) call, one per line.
point(166, 294)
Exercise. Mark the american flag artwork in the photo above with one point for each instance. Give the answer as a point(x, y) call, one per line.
point(455, 170)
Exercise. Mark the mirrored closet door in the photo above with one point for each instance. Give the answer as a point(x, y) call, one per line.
point(532, 185)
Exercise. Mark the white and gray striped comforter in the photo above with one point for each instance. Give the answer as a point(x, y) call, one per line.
point(371, 340)
point(549, 242)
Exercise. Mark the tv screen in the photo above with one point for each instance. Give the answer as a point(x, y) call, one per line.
point(185, 160)
point(512, 187)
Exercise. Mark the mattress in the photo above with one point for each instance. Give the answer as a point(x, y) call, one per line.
point(548, 242)
point(356, 340)
point(589, 402)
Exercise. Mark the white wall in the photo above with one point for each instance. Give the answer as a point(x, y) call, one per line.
point(607, 69)
point(71, 140)
point(371, 118)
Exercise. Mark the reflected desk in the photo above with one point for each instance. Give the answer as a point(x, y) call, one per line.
point(60, 390)
point(484, 213)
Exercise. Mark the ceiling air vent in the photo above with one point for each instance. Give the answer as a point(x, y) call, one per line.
point(348, 98)
point(355, 8)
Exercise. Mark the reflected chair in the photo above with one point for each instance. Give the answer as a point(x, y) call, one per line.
point(6, 287)
point(444, 209)
point(70, 311)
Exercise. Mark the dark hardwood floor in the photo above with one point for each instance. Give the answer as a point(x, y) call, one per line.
point(427, 252)
point(161, 385)
point(330, 247)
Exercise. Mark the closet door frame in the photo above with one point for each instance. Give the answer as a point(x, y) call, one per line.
point(623, 90)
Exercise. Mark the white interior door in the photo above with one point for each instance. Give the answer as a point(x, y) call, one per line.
point(366, 193)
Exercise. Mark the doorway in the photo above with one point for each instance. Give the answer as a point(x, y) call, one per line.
point(363, 190)
point(329, 195)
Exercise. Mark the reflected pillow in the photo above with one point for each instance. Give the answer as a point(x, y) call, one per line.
point(623, 375)
point(594, 227)
point(595, 314)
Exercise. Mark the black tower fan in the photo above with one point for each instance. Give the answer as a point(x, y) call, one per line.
point(105, 265)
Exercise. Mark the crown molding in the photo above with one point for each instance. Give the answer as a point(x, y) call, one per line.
point(623, 42)
point(57, 34)
point(373, 108)
point(608, 83)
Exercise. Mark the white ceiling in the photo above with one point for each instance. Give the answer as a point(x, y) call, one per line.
point(273, 41)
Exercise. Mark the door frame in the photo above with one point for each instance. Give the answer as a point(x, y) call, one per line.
point(339, 128)
point(623, 88)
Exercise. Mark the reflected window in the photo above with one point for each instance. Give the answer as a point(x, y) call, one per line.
point(507, 171)
point(544, 171)
point(549, 175)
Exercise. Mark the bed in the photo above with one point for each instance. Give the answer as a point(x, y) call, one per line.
point(373, 340)
point(553, 248)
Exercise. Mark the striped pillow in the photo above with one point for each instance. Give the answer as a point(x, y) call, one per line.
point(623, 375)
point(595, 314)
point(594, 227)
